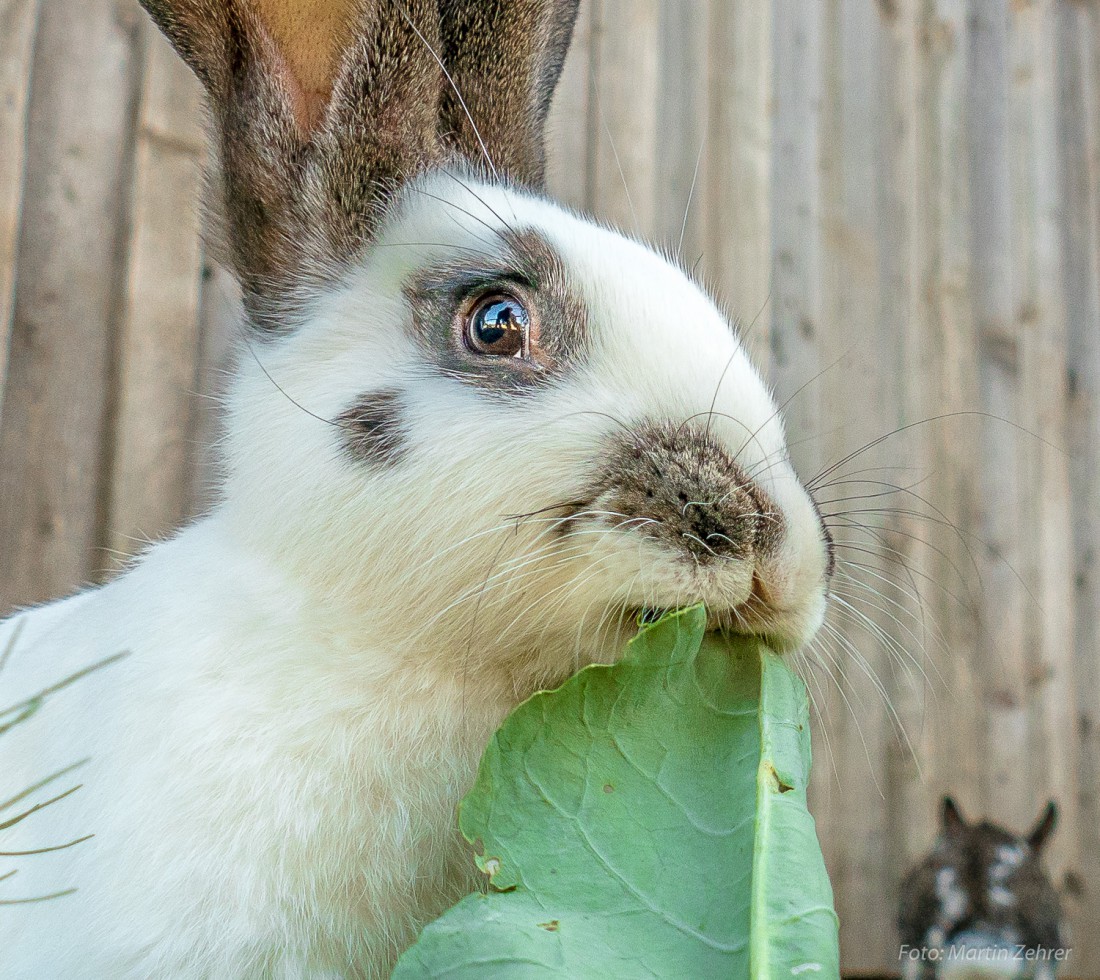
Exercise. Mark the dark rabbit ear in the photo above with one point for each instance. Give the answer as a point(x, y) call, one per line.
point(951, 818)
point(505, 58)
point(321, 108)
point(1042, 831)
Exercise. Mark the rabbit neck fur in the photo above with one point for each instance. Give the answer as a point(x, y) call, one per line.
point(274, 796)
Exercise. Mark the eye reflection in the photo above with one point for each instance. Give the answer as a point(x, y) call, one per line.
point(499, 326)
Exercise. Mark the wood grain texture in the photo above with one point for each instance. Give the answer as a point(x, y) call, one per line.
point(1039, 307)
point(951, 375)
point(1001, 526)
point(682, 114)
point(903, 194)
point(570, 127)
point(1078, 90)
point(18, 20)
point(733, 208)
point(849, 319)
point(158, 329)
point(53, 435)
point(624, 178)
point(906, 335)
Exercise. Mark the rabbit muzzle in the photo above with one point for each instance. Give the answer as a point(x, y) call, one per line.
point(705, 531)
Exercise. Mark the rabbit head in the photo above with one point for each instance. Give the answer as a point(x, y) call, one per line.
point(466, 416)
point(979, 900)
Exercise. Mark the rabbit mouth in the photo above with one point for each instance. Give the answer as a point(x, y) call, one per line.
point(760, 599)
point(746, 619)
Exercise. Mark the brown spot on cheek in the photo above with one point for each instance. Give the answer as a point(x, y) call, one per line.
point(374, 430)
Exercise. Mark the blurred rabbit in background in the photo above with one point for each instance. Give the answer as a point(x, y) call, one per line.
point(980, 905)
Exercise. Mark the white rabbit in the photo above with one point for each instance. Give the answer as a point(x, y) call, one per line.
point(477, 436)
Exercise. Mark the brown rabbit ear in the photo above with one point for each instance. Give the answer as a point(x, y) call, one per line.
point(321, 108)
point(1042, 831)
point(504, 58)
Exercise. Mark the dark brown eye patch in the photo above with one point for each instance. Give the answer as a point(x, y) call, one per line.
point(504, 323)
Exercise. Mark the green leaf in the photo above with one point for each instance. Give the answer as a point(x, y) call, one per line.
point(647, 819)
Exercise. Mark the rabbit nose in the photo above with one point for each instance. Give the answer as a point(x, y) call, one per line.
point(681, 485)
point(721, 524)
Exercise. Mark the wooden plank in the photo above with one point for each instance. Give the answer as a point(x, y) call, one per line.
point(52, 435)
point(824, 306)
point(735, 208)
point(626, 87)
point(953, 591)
point(850, 323)
point(1040, 316)
point(795, 177)
point(684, 34)
point(937, 369)
point(925, 253)
point(159, 328)
point(1078, 41)
point(18, 20)
point(571, 126)
point(907, 339)
point(794, 184)
point(1001, 556)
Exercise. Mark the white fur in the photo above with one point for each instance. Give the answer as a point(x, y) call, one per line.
point(315, 667)
point(952, 897)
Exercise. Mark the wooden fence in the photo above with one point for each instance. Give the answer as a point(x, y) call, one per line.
point(900, 198)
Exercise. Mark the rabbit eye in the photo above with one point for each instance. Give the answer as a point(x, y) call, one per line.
point(499, 326)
